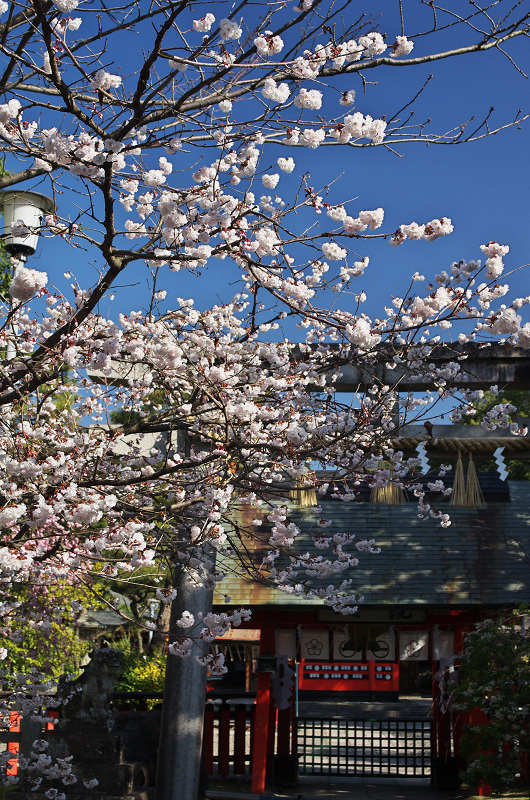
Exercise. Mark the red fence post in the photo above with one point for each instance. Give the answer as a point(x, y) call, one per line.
point(436, 749)
point(294, 724)
point(284, 731)
point(271, 741)
point(261, 734)
point(224, 742)
point(13, 747)
point(240, 735)
point(252, 733)
point(207, 740)
point(50, 726)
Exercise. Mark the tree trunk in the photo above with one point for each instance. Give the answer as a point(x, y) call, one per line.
point(179, 757)
point(137, 629)
point(157, 645)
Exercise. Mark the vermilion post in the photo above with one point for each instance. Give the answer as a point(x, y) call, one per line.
point(261, 734)
point(13, 747)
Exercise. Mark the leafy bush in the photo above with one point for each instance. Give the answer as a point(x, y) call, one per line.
point(494, 676)
point(47, 641)
point(147, 675)
point(141, 673)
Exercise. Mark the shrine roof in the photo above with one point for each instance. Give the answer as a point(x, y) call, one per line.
point(481, 559)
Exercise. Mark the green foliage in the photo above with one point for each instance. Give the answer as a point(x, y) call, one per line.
point(146, 674)
point(62, 391)
point(520, 398)
point(136, 596)
point(141, 673)
point(49, 642)
point(155, 401)
point(123, 416)
point(494, 676)
point(5, 273)
point(518, 470)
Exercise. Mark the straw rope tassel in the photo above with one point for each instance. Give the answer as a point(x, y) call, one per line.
point(390, 494)
point(474, 496)
point(305, 496)
point(458, 496)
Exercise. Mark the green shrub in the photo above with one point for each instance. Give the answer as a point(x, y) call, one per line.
point(141, 672)
point(494, 676)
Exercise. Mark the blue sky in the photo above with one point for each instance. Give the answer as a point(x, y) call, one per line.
point(482, 186)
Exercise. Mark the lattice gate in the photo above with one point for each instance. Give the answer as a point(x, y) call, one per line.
point(393, 748)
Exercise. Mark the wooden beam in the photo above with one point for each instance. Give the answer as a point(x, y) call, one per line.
point(482, 366)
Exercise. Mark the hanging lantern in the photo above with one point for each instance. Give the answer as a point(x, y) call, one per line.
point(267, 663)
point(28, 208)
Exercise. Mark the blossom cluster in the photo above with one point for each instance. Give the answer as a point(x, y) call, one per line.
point(430, 231)
point(161, 169)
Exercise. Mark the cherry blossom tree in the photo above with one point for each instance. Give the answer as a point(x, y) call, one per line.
point(164, 161)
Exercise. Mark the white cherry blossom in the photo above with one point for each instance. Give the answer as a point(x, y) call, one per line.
point(159, 174)
point(204, 24)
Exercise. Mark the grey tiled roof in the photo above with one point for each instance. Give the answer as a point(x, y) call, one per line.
point(482, 558)
point(99, 618)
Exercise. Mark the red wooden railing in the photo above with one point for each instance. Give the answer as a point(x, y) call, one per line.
point(12, 735)
point(228, 736)
point(14, 746)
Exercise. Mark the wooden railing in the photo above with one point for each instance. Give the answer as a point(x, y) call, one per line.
point(228, 730)
point(227, 743)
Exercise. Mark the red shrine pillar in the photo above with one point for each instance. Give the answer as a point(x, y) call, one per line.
point(262, 719)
